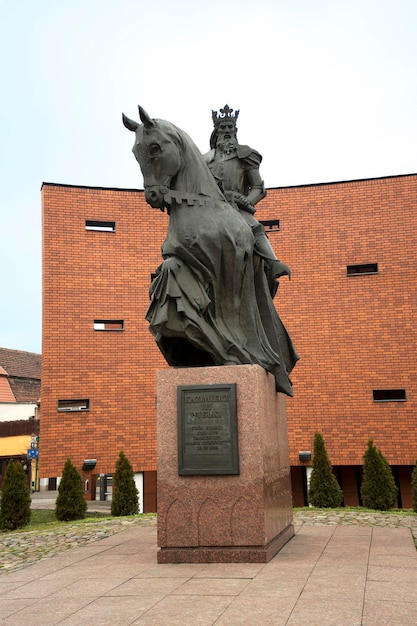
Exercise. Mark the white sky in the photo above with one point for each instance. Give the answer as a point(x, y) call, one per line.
point(327, 91)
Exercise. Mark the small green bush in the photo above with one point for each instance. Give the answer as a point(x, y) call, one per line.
point(324, 490)
point(15, 498)
point(378, 489)
point(70, 503)
point(125, 493)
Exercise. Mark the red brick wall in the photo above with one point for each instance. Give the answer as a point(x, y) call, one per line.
point(354, 334)
point(357, 333)
point(98, 275)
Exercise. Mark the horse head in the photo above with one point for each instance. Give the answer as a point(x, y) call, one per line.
point(158, 156)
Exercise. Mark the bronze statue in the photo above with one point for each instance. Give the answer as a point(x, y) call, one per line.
point(236, 170)
point(210, 306)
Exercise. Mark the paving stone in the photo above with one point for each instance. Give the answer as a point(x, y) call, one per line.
point(23, 548)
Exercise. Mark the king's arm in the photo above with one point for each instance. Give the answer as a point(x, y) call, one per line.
point(252, 160)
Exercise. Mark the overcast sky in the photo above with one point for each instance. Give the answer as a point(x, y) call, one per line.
point(327, 91)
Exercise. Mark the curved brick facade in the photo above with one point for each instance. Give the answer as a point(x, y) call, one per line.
point(355, 333)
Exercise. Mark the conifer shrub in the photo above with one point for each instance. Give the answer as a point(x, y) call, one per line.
point(125, 493)
point(378, 489)
point(414, 487)
point(70, 503)
point(324, 490)
point(15, 498)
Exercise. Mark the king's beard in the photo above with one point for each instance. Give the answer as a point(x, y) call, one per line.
point(227, 145)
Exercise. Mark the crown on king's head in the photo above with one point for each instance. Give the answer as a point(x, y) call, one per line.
point(226, 113)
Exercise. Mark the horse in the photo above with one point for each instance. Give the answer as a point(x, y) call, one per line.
point(209, 306)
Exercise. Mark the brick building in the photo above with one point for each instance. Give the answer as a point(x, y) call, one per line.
point(20, 385)
point(350, 309)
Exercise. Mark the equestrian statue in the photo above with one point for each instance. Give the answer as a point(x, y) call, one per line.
point(212, 296)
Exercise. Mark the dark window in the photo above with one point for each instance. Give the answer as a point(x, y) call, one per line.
point(108, 324)
point(389, 395)
point(109, 227)
point(365, 268)
point(73, 405)
point(270, 225)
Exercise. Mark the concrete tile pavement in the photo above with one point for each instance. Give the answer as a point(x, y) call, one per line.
point(325, 575)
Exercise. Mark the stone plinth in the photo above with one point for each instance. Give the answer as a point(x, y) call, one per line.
point(227, 518)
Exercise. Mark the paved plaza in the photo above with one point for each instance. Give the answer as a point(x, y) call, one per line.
point(332, 572)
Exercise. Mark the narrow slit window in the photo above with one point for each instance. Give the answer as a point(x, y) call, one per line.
point(73, 405)
point(389, 395)
point(108, 227)
point(270, 225)
point(108, 324)
point(364, 268)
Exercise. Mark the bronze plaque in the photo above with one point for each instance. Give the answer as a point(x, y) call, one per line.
point(207, 430)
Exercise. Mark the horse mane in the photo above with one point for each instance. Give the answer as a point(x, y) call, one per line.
point(194, 176)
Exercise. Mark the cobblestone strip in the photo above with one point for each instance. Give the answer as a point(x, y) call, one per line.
point(326, 517)
point(19, 549)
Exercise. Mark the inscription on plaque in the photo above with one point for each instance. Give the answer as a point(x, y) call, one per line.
point(207, 430)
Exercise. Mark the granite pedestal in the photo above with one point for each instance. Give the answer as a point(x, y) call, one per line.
point(226, 518)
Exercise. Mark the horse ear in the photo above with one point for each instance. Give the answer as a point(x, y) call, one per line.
point(147, 121)
point(130, 124)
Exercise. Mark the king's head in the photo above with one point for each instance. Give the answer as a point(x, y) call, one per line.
point(225, 128)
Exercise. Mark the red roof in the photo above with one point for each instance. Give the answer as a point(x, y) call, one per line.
point(6, 394)
point(21, 364)
point(20, 376)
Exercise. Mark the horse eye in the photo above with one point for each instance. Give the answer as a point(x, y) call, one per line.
point(154, 150)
